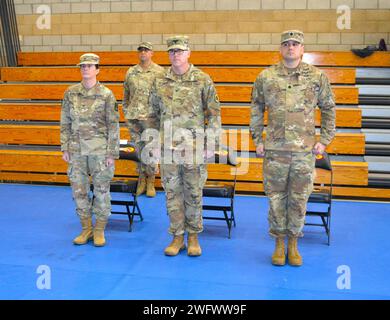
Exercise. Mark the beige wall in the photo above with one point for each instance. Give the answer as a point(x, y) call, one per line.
point(93, 25)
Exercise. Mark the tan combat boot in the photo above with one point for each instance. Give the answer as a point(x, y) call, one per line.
point(141, 187)
point(150, 191)
point(98, 233)
point(279, 255)
point(194, 249)
point(175, 246)
point(86, 233)
point(294, 258)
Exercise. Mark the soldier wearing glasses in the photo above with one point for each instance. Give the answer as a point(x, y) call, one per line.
point(184, 100)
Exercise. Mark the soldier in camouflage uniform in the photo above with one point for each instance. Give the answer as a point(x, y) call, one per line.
point(290, 90)
point(136, 109)
point(90, 143)
point(184, 101)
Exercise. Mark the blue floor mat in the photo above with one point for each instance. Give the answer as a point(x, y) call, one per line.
point(38, 223)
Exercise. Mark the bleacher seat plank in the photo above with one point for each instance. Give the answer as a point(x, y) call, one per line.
point(29, 135)
point(230, 93)
point(343, 143)
point(33, 177)
point(117, 74)
point(245, 187)
point(361, 192)
point(35, 111)
point(30, 111)
point(59, 74)
point(345, 173)
point(209, 58)
point(226, 93)
point(249, 74)
point(338, 191)
point(231, 115)
point(50, 177)
point(240, 115)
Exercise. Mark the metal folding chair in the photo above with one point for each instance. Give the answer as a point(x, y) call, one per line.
point(127, 152)
point(221, 190)
point(322, 194)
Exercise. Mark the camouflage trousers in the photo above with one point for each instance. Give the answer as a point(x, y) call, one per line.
point(136, 127)
point(183, 185)
point(288, 183)
point(79, 169)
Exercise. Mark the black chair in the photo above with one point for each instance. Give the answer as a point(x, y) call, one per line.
point(322, 194)
point(127, 152)
point(222, 190)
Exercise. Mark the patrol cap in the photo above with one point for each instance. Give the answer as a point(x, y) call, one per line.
point(178, 42)
point(294, 35)
point(146, 45)
point(89, 58)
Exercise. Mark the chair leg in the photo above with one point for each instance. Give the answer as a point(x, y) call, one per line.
point(129, 215)
point(233, 217)
point(325, 224)
point(139, 212)
point(228, 221)
point(135, 206)
point(232, 211)
point(329, 217)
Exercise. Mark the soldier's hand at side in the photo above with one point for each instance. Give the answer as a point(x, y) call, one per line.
point(319, 148)
point(260, 151)
point(110, 161)
point(66, 156)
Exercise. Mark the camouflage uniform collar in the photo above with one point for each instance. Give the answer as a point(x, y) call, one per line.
point(282, 70)
point(95, 90)
point(138, 68)
point(188, 76)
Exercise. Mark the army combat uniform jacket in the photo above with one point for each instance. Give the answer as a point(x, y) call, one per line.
point(137, 90)
point(90, 121)
point(291, 100)
point(187, 101)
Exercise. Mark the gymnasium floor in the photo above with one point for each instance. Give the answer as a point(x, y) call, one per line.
point(38, 223)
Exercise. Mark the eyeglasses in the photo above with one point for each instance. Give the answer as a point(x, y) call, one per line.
point(178, 52)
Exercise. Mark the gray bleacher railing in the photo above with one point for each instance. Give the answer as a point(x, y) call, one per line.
point(9, 40)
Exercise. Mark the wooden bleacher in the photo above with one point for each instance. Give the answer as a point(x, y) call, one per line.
point(30, 111)
point(208, 58)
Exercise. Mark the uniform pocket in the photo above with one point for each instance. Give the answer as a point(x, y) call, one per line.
point(275, 172)
point(273, 94)
point(309, 93)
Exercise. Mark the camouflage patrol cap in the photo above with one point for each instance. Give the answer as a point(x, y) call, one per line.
point(89, 58)
point(178, 42)
point(146, 45)
point(294, 35)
